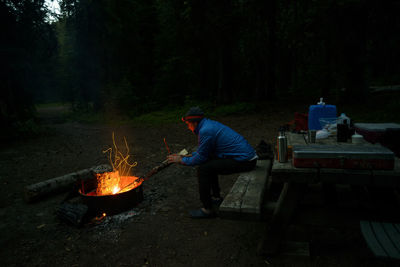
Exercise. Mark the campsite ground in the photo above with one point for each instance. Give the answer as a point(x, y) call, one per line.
point(158, 232)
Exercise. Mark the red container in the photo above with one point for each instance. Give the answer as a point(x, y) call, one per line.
point(375, 132)
point(343, 157)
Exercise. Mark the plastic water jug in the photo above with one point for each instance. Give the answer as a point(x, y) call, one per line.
point(321, 110)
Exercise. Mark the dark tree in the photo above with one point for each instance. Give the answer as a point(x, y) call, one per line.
point(27, 48)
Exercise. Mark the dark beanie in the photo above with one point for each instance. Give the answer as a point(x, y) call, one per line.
point(193, 114)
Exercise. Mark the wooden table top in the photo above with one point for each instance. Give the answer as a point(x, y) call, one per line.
point(286, 172)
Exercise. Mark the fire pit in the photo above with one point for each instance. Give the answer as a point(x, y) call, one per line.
point(125, 192)
point(115, 191)
point(109, 191)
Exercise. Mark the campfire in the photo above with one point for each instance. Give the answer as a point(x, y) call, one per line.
point(103, 190)
point(113, 191)
point(120, 179)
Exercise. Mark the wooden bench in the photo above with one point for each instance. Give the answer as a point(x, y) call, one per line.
point(244, 201)
point(382, 238)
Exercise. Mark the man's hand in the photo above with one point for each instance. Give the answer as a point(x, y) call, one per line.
point(174, 158)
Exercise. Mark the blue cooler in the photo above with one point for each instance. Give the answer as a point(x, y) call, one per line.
point(316, 112)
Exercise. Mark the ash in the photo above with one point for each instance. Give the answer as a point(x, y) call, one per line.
point(117, 219)
point(152, 202)
point(111, 226)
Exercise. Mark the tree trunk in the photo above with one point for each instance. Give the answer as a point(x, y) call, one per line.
point(271, 50)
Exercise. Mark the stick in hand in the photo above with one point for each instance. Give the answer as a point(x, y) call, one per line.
point(177, 158)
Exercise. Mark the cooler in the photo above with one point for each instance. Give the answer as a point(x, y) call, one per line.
point(343, 157)
point(375, 132)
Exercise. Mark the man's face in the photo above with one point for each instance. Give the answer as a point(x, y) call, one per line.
point(191, 125)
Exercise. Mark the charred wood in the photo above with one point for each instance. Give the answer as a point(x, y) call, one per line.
point(163, 165)
point(158, 168)
point(72, 213)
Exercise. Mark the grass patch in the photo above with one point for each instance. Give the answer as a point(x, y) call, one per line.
point(158, 117)
point(50, 105)
point(172, 114)
point(167, 114)
point(86, 117)
point(234, 109)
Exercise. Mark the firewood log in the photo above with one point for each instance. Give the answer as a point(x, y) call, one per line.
point(72, 213)
point(158, 168)
point(63, 183)
point(163, 165)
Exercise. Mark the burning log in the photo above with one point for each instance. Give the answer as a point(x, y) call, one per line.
point(63, 183)
point(163, 164)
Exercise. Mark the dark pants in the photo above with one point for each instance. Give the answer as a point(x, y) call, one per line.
point(207, 174)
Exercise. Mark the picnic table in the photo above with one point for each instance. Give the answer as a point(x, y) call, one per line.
point(294, 181)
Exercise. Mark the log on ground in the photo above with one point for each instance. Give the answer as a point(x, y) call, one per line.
point(72, 213)
point(59, 184)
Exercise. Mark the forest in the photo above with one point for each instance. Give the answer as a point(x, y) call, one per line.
point(136, 56)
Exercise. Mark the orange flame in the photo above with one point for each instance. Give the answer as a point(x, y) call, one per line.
point(120, 162)
point(110, 183)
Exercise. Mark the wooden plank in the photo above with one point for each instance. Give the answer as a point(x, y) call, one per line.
point(393, 233)
point(252, 199)
point(245, 198)
point(397, 227)
point(296, 139)
point(274, 234)
point(295, 249)
point(383, 238)
point(233, 201)
point(285, 172)
point(350, 177)
point(370, 238)
point(388, 178)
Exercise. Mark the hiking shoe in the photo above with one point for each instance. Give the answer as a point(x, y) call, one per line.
point(200, 214)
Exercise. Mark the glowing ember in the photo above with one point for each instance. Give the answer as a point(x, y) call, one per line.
point(119, 180)
point(116, 189)
point(107, 183)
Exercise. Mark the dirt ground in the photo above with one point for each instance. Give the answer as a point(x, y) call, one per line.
point(158, 232)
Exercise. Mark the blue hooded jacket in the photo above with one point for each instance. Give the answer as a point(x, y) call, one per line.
point(216, 139)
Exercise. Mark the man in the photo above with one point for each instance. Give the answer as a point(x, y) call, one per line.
point(221, 150)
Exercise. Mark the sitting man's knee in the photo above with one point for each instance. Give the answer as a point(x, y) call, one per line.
point(202, 169)
point(205, 172)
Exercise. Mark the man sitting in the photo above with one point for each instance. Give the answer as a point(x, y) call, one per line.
point(221, 150)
